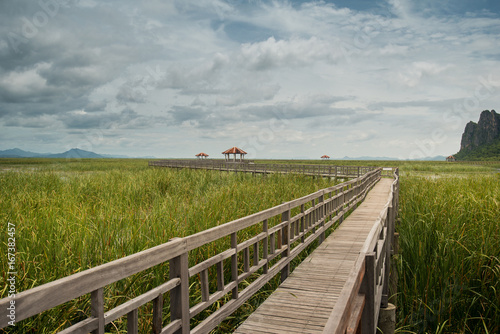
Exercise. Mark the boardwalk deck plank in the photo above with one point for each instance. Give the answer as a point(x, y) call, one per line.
point(303, 302)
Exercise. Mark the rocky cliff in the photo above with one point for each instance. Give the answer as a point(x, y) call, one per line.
point(480, 136)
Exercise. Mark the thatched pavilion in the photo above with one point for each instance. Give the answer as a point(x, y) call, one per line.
point(202, 155)
point(235, 151)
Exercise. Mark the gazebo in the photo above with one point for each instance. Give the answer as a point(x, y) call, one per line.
point(451, 158)
point(235, 151)
point(325, 157)
point(202, 155)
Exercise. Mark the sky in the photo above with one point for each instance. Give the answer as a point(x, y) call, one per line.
point(280, 79)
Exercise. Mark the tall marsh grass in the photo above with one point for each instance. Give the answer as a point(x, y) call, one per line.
point(450, 254)
point(77, 214)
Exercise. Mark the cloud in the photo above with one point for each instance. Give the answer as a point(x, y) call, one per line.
point(287, 53)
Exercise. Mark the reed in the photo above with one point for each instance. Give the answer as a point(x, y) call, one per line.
point(450, 254)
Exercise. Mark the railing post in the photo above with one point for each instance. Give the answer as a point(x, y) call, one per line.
point(285, 216)
point(97, 309)
point(179, 296)
point(157, 314)
point(234, 264)
point(388, 250)
point(368, 321)
point(321, 210)
point(132, 322)
point(265, 246)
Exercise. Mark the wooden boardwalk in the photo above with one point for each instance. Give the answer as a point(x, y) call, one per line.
point(304, 301)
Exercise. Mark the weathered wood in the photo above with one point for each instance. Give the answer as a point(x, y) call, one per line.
point(133, 322)
point(47, 296)
point(179, 296)
point(97, 309)
point(157, 314)
point(234, 264)
point(210, 262)
point(265, 246)
point(285, 234)
point(220, 275)
point(328, 269)
point(205, 293)
point(341, 313)
point(83, 327)
point(133, 304)
point(354, 325)
point(369, 324)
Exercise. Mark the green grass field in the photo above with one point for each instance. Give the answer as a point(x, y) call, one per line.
point(71, 215)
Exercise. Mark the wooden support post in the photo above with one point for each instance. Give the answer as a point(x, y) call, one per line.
point(321, 216)
point(157, 314)
point(205, 293)
point(234, 264)
point(179, 296)
point(132, 322)
point(302, 223)
point(246, 259)
point(368, 321)
point(387, 319)
point(265, 246)
point(394, 276)
point(220, 275)
point(97, 309)
point(285, 216)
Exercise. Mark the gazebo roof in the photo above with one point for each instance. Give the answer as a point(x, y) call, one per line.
point(234, 150)
point(451, 157)
point(201, 155)
point(325, 157)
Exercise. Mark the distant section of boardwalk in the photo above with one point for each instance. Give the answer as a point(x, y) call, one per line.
point(323, 170)
point(304, 301)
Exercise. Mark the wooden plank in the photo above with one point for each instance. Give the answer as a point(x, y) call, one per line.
point(333, 269)
point(132, 304)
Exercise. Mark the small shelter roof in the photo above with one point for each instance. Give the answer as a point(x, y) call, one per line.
point(201, 155)
point(234, 150)
point(325, 157)
point(451, 157)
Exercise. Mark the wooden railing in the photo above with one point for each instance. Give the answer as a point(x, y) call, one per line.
point(324, 170)
point(367, 289)
point(285, 231)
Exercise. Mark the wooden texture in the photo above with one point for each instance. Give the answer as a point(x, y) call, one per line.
point(304, 301)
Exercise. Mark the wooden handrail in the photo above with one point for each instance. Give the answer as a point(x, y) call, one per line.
point(318, 212)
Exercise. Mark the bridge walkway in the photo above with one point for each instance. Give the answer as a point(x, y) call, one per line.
point(305, 300)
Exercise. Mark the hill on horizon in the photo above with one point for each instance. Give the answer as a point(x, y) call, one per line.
point(481, 140)
point(73, 153)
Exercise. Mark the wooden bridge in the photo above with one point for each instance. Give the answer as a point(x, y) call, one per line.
point(339, 288)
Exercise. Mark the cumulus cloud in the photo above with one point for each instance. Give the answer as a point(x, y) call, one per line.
point(287, 53)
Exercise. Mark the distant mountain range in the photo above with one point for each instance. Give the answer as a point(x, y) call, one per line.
point(74, 153)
